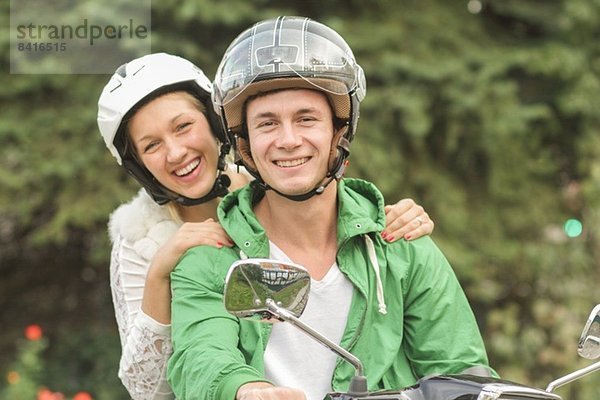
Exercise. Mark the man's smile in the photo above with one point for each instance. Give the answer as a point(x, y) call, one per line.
point(291, 163)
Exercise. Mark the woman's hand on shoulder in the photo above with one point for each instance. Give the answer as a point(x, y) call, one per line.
point(158, 281)
point(406, 219)
point(190, 234)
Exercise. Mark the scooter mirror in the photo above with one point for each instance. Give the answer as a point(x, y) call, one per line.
point(250, 283)
point(589, 343)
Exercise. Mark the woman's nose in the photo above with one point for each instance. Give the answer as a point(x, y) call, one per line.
point(175, 151)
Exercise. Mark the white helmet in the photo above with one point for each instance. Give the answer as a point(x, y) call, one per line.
point(134, 84)
point(285, 53)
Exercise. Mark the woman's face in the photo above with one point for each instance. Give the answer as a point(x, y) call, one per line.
point(173, 140)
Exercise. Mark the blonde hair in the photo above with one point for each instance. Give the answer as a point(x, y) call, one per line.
point(173, 210)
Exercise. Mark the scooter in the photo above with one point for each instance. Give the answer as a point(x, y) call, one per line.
point(268, 291)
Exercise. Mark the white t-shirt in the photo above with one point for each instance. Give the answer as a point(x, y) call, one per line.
point(294, 359)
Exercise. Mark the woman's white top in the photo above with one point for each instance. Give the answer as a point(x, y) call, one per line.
point(137, 230)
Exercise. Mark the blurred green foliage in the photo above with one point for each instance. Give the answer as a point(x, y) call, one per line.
point(31, 377)
point(490, 120)
point(24, 373)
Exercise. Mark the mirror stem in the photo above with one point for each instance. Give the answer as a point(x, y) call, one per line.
point(572, 376)
point(358, 385)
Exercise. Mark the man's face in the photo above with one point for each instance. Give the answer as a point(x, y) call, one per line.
point(290, 134)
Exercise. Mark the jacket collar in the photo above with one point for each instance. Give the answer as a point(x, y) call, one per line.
point(360, 211)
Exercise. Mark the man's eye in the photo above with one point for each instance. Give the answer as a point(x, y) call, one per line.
point(266, 124)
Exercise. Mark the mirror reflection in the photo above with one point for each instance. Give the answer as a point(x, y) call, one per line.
point(251, 282)
point(589, 343)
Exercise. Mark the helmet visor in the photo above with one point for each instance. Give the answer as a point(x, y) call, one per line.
point(288, 48)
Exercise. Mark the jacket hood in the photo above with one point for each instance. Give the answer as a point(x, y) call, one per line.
point(360, 211)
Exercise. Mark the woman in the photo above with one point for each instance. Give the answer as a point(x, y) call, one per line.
point(157, 120)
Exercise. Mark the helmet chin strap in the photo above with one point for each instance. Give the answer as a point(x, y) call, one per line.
point(318, 190)
point(162, 195)
point(219, 189)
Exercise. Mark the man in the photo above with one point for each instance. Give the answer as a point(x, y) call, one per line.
point(289, 90)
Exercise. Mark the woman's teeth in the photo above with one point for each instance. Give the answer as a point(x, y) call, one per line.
point(188, 168)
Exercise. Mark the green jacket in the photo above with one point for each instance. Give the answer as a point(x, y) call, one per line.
point(429, 326)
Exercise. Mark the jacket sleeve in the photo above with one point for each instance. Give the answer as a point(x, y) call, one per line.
point(441, 333)
point(206, 361)
point(146, 343)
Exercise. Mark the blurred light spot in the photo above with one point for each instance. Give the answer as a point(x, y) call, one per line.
point(573, 228)
point(474, 6)
point(33, 332)
point(13, 377)
point(88, 274)
point(71, 302)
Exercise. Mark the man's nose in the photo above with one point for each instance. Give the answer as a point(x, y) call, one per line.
point(288, 137)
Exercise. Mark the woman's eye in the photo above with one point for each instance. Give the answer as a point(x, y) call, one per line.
point(183, 126)
point(150, 146)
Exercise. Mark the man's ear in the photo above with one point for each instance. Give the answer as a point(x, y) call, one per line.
point(338, 143)
point(243, 149)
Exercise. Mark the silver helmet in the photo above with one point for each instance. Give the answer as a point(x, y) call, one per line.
point(290, 52)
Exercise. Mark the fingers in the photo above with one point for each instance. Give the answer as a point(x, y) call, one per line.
point(203, 233)
point(399, 218)
point(263, 391)
point(421, 229)
point(190, 234)
point(407, 220)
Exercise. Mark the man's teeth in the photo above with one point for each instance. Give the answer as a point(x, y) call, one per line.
point(291, 163)
point(188, 168)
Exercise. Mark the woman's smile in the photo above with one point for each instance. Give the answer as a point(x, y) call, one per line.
point(181, 172)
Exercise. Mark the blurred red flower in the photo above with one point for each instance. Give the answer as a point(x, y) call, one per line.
point(46, 394)
point(82, 396)
point(33, 332)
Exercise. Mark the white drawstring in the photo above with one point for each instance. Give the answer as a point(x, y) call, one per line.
point(243, 255)
point(375, 265)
